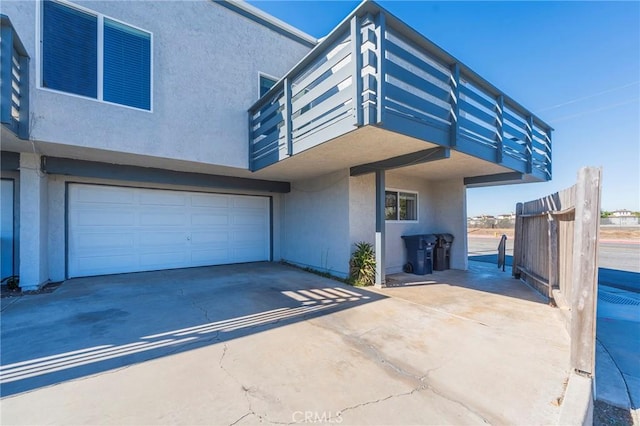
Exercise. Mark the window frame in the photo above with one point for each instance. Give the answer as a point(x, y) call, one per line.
point(262, 75)
point(398, 192)
point(100, 55)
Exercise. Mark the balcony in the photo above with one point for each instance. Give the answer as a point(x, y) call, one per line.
point(14, 81)
point(374, 70)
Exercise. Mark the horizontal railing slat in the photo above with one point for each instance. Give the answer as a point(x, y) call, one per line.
point(416, 81)
point(267, 125)
point(318, 125)
point(478, 113)
point(507, 128)
point(298, 86)
point(428, 120)
point(465, 123)
point(330, 82)
point(402, 96)
point(318, 110)
point(465, 90)
point(267, 111)
point(401, 53)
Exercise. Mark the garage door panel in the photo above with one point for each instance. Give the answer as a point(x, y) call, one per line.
point(162, 198)
point(163, 238)
point(116, 230)
point(247, 254)
point(210, 237)
point(162, 218)
point(210, 200)
point(164, 260)
point(102, 195)
point(211, 217)
point(249, 202)
point(109, 217)
point(210, 256)
point(255, 235)
point(103, 240)
point(245, 218)
point(111, 264)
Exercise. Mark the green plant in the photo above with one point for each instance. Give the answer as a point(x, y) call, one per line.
point(13, 282)
point(362, 265)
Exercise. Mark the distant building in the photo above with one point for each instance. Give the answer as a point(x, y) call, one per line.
point(622, 213)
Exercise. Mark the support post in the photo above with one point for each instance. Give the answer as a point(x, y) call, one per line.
point(380, 228)
point(33, 223)
point(584, 294)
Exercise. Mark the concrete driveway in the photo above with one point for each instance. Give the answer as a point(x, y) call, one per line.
point(268, 343)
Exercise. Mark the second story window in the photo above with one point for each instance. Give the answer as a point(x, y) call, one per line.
point(90, 55)
point(266, 83)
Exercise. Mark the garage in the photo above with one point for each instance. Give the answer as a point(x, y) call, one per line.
point(120, 229)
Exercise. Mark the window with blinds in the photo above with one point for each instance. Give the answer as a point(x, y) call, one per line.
point(71, 45)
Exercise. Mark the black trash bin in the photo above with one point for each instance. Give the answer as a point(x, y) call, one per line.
point(420, 252)
point(442, 255)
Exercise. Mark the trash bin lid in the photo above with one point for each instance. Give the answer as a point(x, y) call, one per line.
point(448, 238)
point(429, 238)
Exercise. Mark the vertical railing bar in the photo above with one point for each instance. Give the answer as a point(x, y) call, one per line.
point(529, 143)
point(251, 141)
point(499, 129)
point(288, 125)
point(356, 55)
point(381, 71)
point(7, 72)
point(23, 125)
point(454, 83)
point(549, 151)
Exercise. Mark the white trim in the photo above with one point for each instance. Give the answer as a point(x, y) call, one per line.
point(273, 20)
point(100, 55)
point(406, 191)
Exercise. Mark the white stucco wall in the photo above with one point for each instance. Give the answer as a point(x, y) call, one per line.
point(441, 209)
point(450, 212)
point(396, 251)
point(206, 62)
point(315, 224)
point(33, 223)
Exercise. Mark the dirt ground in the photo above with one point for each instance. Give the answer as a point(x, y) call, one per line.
point(606, 233)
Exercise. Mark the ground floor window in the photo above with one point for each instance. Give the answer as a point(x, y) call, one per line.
point(401, 205)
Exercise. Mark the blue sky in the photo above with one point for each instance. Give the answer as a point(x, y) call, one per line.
point(575, 64)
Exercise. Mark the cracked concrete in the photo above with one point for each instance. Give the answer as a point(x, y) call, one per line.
point(474, 348)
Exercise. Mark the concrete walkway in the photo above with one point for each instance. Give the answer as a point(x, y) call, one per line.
point(618, 336)
point(266, 343)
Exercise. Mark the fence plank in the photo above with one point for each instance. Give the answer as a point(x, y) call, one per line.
point(553, 255)
point(585, 270)
point(517, 242)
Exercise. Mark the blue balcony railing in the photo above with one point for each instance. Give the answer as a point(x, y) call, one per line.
point(374, 69)
point(14, 80)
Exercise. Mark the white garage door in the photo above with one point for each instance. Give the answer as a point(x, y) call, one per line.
point(115, 229)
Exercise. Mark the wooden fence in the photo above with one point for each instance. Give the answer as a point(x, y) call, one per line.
point(556, 252)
